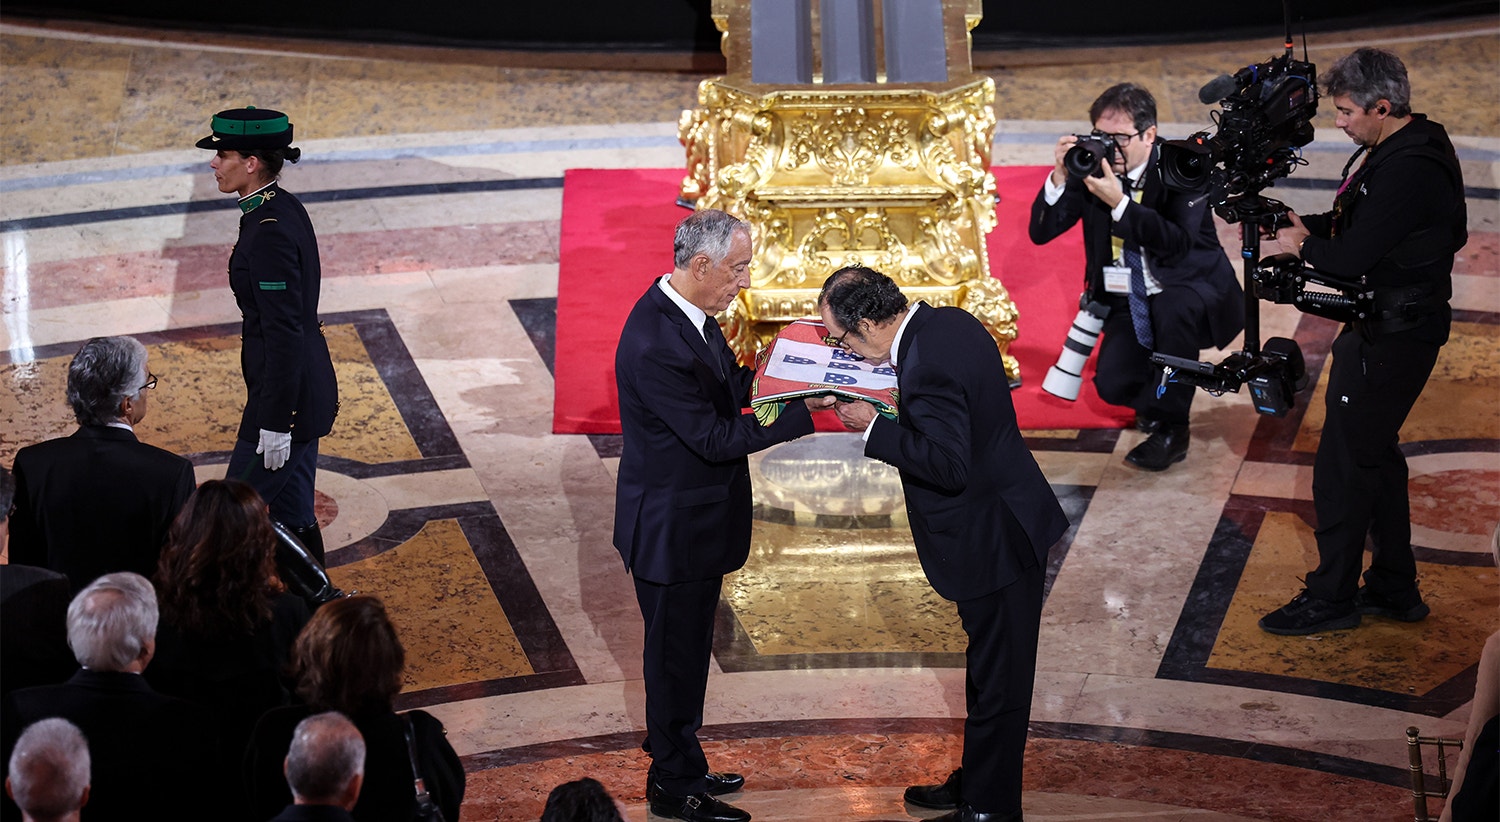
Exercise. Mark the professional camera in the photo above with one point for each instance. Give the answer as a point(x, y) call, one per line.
point(1064, 379)
point(1266, 118)
point(1090, 154)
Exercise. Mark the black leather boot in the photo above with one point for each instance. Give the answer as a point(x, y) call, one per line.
point(302, 573)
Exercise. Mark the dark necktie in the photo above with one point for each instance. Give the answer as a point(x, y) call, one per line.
point(1140, 307)
point(716, 344)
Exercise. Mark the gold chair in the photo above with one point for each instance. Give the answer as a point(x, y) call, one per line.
point(1419, 775)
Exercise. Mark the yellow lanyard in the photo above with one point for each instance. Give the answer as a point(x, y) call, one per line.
point(1117, 244)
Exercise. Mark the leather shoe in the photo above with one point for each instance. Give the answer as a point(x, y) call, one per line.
point(966, 813)
point(938, 797)
point(722, 783)
point(702, 807)
point(1146, 425)
point(1167, 445)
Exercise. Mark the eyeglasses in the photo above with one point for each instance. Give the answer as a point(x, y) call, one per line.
point(836, 342)
point(1121, 140)
point(150, 382)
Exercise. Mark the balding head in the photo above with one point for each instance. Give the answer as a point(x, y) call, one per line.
point(326, 762)
point(112, 623)
point(49, 771)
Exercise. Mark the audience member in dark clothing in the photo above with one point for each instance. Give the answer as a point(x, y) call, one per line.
point(348, 659)
point(99, 500)
point(227, 622)
point(33, 615)
point(145, 746)
point(48, 774)
point(582, 800)
point(325, 768)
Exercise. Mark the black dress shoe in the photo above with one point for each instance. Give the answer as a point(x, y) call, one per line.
point(701, 807)
point(965, 813)
point(938, 797)
point(1167, 445)
point(722, 783)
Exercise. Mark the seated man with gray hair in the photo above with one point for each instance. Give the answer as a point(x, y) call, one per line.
point(99, 500)
point(150, 752)
point(49, 772)
point(325, 768)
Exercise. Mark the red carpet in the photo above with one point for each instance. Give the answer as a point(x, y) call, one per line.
point(617, 238)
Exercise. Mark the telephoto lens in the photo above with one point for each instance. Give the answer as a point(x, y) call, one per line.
point(1064, 379)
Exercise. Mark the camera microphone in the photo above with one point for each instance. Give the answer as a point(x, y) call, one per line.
point(1217, 89)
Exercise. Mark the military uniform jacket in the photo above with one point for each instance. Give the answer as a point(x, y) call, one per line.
point(275, 275)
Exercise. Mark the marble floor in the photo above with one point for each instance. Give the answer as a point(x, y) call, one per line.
point(434, 179)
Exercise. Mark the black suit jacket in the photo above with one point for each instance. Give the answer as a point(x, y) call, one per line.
point(981, 510)
point(142, 744)
point(33, 627)
point(96, 502)
point(275, 275)
point(1174, 228)
point(682, 501)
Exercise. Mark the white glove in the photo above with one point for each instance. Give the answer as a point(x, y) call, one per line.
point(277, 446)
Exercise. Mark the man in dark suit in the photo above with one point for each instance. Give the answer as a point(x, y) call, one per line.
point(1153, 259)
point(325, 768)
point(983, 516)
point(99, 500)
point(142, 743)
point(682, 502)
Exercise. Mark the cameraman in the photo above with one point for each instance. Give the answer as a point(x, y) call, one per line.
point(1396, 222)
point(1153, 258)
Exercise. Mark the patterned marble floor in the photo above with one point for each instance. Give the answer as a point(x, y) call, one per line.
point(434, 180)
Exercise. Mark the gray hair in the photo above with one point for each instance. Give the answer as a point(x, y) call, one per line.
point(327, 752)
point(1369, 75)
point(49, 769)
point(102, 374)
point(707, 232)
point(111, 620)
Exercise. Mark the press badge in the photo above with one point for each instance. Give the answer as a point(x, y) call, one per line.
point(1117, 279)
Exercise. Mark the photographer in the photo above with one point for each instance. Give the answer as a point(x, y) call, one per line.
point(1152, 258)
point(1396, 222)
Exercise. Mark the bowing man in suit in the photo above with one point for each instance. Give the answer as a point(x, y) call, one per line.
point(99, 500)
point(1153, 258)
point(982, 514)
point(682, 503)
point(291, 392)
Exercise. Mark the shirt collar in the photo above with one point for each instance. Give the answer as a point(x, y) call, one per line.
point(252, 201)
point(694, 314)
point(121, 423)
point(896, 342)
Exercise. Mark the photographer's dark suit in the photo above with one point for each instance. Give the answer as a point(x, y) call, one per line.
point(1200, 304)
point(983, 518)
point(683, 509)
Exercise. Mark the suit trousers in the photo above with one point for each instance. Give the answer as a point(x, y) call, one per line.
point(679, 620)
point(1359, 473)
point(1124, 374)
point(288, 490)
point(1001, 670)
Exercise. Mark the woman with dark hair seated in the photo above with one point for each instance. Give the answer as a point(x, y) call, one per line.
point(348, 659)
point(227, 622)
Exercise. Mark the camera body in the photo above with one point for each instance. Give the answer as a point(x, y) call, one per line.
point(1090, 154)
point(1265, 119)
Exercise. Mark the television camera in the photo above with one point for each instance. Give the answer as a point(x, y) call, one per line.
point(1265, 119)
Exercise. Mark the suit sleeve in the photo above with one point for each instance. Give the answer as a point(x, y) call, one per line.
point(26, 545)
point(668, 386)
point(933, 445)
point(1050, 221)
point(277, 288)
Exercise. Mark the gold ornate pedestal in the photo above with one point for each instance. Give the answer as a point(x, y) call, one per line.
point(891, 177)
